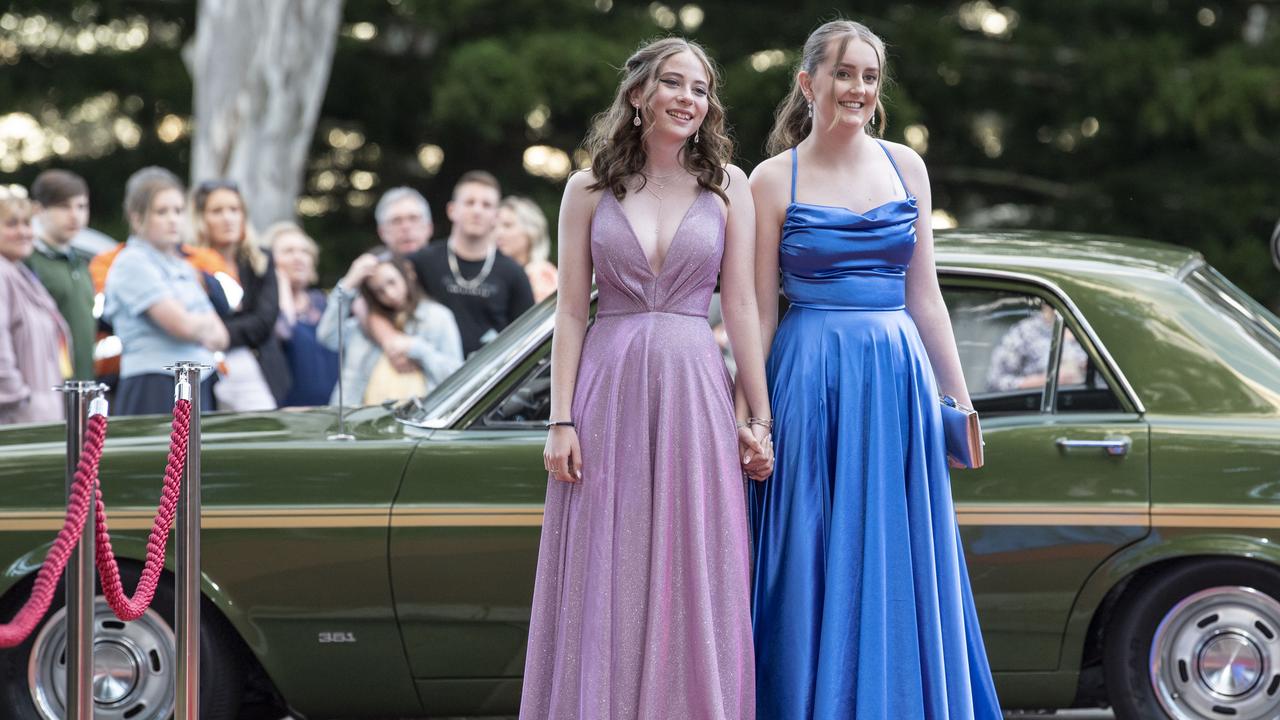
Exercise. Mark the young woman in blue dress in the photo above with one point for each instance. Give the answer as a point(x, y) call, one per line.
point(861, 605)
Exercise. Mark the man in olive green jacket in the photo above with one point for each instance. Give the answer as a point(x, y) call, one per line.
point(62, 207)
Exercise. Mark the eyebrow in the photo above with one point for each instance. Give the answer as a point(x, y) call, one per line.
point(851, 66)
point(681, 76)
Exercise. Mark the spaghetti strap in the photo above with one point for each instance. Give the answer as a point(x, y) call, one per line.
point(892, 162)
point(793, 176)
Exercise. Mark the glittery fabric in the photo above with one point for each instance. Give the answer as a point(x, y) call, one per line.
point(862, 605)
point(641, 605)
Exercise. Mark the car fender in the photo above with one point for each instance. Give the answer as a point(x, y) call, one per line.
point(1176, 545)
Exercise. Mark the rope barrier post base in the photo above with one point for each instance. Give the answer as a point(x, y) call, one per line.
point(80, 395)
point(187, 611)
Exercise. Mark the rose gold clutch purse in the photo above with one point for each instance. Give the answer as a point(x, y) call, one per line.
point(963, 432)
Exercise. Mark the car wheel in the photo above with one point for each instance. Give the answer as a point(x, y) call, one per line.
point(1199, 642)
point(135, 667)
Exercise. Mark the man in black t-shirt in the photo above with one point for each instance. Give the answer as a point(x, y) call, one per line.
point(485, 289)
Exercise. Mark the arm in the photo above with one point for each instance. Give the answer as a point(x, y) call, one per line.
point(924, 295)
point(573, 308)
point(336, 310)
point(252, 326)
point(203, 328)
point(437, 346)
point(14, 390)
point(768, 198)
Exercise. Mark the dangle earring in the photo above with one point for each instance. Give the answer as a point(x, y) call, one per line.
point(695, 136)
point(810, 109)
point(636, 120)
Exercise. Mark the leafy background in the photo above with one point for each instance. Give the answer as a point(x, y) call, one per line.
point(1150, 118)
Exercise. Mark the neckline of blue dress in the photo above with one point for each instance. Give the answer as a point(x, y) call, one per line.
point(909, 199)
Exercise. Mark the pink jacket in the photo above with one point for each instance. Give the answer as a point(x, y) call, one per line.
point(32, 333)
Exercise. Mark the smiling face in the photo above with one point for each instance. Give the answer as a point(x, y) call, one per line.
point(677, 102)
point(223, 218)
point(844, 88)
point(16, 238)
point(162, 225)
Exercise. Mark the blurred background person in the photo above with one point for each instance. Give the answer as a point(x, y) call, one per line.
point(485, 289)
point(255, 373)
point(404, 220)
point(154, 299)
point(391, 293)
point(313, 367)
point(61, 213)
point(34, 356)
point(522, 235)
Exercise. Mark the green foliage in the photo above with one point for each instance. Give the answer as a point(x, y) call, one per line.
point(1153, 118)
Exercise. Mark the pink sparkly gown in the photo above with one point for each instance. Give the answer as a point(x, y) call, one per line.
point(641, 607)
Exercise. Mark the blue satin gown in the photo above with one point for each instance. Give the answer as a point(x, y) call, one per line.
point(861, 606)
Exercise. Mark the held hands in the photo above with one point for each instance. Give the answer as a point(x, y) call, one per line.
point(756, 447)
point(562, 456)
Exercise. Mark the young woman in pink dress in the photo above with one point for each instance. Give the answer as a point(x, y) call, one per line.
point(641, 607)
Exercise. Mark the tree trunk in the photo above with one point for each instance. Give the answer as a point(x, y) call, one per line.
point(259, 69)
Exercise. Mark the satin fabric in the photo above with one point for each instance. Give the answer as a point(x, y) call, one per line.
point(861, 602)
point(641, 605)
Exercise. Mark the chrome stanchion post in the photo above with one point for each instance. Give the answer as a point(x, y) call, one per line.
point(80, 585)
point(187, 615)
point(342, 401)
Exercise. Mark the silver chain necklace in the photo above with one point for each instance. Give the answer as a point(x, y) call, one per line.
point(476, 281)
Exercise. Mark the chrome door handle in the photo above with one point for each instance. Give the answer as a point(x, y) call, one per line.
point(1118, 446)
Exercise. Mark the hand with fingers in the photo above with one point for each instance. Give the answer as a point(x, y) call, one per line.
point(562, 456)
point(756, 446)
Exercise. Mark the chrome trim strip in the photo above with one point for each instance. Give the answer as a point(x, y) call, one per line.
point(985, 273)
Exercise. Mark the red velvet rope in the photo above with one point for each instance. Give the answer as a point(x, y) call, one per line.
point(16, 631)
point(132, 608)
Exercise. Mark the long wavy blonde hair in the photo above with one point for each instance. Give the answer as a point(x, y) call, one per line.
point(791, 121)
point(616, 145)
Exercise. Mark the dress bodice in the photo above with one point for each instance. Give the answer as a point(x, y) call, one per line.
point(833, 258)
point(687, 278)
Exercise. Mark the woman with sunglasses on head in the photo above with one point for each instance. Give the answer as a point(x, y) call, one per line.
point(389, 288)
point(861, 602)
point(154, 300)
point(34, 340)
point(255, 371)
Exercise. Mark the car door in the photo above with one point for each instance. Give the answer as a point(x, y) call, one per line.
point(1065, 483)
point(464, 547)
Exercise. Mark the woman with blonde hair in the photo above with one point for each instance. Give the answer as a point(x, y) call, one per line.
point(255, 372)
point(313, 366)
point(522, 236)
point(34, 340)
point(862, 605)
point(154, 300)
point(640, 608)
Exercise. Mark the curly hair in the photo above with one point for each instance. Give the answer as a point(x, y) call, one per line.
point(616, 145)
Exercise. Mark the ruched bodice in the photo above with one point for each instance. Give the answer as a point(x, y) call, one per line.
point(833, 258)
point(685, 282)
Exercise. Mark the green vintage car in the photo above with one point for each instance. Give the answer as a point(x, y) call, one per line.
point(1123, 538)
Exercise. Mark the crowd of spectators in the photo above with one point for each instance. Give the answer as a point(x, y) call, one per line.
point(195, 281)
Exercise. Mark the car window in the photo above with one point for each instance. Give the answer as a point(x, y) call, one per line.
point(1080, 387)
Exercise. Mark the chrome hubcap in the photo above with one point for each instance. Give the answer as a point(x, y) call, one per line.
point(1216, 654)
point(133, 667)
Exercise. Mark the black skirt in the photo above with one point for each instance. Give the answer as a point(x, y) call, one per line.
point(152, 394)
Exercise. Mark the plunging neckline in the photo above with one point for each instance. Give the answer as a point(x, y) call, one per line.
point(635, 237)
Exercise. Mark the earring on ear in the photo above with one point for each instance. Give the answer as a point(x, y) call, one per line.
point(811, 108)
point(696, 133)
point(636, 120)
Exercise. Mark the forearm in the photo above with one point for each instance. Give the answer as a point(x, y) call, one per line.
point(566, 353)
point(934, 323)
point(740, 319)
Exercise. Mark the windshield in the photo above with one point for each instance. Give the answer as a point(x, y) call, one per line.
point(483, 368)
point(1253, 320)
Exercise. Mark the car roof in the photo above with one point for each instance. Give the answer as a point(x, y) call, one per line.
point(1074, 253)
